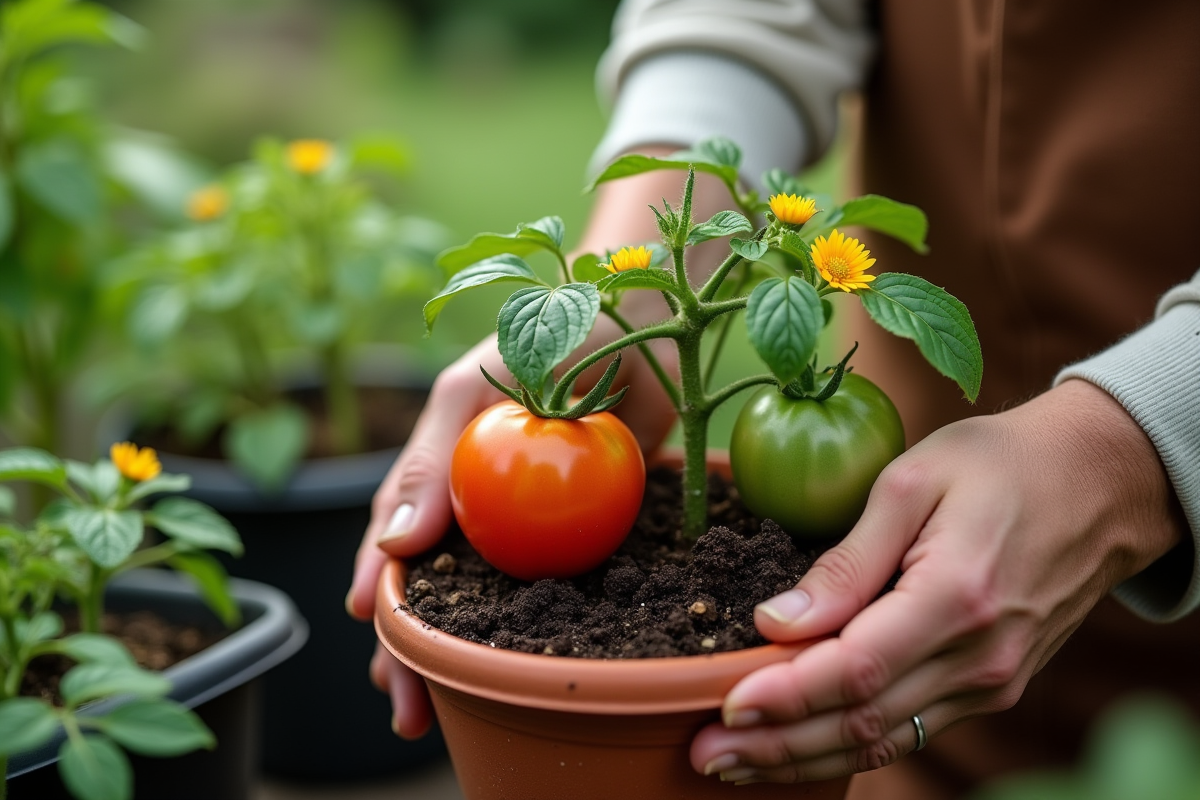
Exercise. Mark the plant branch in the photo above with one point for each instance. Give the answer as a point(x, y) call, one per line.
point(710, 311)
point(663, 330)
point(668, 385)
point(738, 386)
point(709, 290)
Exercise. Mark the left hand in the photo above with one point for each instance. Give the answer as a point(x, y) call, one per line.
point(1009, 529)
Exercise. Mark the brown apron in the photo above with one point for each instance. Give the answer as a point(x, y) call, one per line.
point(1055, 145)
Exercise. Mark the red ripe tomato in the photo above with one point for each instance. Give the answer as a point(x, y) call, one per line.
point(546, 498)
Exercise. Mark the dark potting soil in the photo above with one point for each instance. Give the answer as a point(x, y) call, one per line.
point(154, 643)
point(388, 414)
point(655, 597)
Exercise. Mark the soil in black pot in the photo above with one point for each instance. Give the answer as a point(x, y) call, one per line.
point(657, 596)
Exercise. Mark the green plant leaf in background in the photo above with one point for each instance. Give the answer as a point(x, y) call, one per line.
point(898, 220)
point(60, 177)
point(35, 25)
point(586, 269)
point(752, 250)
point(212, 581)
point(162, 483)
point(937, 321)
point(157, 314)
point(25, 723)
point(529, 237)
point(266, 445)
point(193, 523)
point(94, 768)
point(504, 268)
point(634, 164)
point(380, 151)
point(723, 223)
point(7, 212)
point(778, 181)
point(43, 626)
point(100, 480)
point(98, 679)
point(31, 464)
point(784, 320)
point(8, 502)
point(107, 536)
point(94, 647)
point(154, 727)
point(538, 327)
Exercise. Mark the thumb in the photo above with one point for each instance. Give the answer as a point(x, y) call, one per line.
point(847, 577)
point(411, 509)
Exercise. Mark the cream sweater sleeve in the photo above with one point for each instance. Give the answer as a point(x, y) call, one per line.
point(764, 73)
point(1155, 374)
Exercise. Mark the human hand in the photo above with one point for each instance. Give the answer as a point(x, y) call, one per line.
point(1008, 529)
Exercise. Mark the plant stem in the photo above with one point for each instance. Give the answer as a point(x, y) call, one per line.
point(694, 418)
point(256, 369)
point(663, 330)
point(668, 385)
point(710, 311)
point(341, 401)
point(738, 386)
point(151, 555)
point(12, 678)
point(91, 603)
point(709, 290)
point(722, 333)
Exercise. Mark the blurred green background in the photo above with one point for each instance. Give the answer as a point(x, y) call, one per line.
point(495, 100)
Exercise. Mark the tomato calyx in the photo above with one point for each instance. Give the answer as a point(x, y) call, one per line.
point(805, 387)
point(593, 402)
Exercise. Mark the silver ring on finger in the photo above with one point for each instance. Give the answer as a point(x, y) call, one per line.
point(922, 737)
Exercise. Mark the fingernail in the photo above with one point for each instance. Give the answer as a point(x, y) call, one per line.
point(747, 781)
point(738, 774)
point(721, 763)
point(742, 718)
point(350, 601)
point(400, 524)
point(786, 608)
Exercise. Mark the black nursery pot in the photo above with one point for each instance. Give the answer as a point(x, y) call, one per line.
point(322, 718)
point(220, 683)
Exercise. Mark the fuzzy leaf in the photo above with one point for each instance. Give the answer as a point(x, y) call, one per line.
point(751, 250)
point(547, 230)
point(784, 319)
point(630, 165)
point(937, 321)
point(539, 327)
point(778, 181)
point(155, 727)
point(498, 269)
point(652, 278)
point(723, 223)
point(529, 237)
point(717, 150)
point(898, 220)
point(193, 523)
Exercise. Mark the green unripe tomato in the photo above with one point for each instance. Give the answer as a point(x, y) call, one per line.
point(810, 465)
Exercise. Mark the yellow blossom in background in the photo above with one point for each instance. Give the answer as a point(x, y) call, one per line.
point(627, 258)
point(207, 203)
point(309, 156)
point(842, 260)
point(792, 209)
point(134, 463)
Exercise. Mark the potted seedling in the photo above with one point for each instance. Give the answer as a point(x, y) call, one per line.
point(248, 326)
point(546, 484)
point(63, 565)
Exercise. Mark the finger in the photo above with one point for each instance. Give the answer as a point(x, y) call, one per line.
point(846, 578)
point(901, 740)
point(412, 714)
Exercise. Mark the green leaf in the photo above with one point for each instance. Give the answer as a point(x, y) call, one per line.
point(784, 319)
point(8, 502)
point(162, 483)
point(157, 314)
point(108, 537)
point(498, 269)
point(100, 480)
point(938, 322)
point(34, 25)
point(587, 269)
point(752, 250)
point(778, 181)
point(380, 151)
point(539, 327)
point(31, 464)
point(266, 445)
point(529, 237)
point(156, 728)
point(717, 150)
point(94, 648)
point(658, 279)
point(99, 679)
point(213, 583)
point(7, 212)
point(41, 627)
point(61, 178)
point(193, 523)
point(723, 223)
point(898, 220)
point(25, 723)
point(630, 165)
point(318, 323)
point(93, 768)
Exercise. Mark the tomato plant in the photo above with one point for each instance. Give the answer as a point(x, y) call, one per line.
point(809, 463)
point(543, 497)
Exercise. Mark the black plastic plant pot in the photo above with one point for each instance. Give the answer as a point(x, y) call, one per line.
point(219, 683)
point(303, 539)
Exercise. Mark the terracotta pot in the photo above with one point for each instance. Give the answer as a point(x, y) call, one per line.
point(531, 727)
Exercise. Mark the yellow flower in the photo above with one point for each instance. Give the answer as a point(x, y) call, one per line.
point(207, 203)
point(792, 209)
point(842, 261)
point(135, 464)
point(627, 258)
point(309, 156)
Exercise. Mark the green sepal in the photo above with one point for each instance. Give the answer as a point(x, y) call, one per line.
point(597, 395)
point(508, 391)
point(839, 371)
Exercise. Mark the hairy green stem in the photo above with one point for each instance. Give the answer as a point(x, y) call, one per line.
point(710, 311)
point(663, 330)
point(709, 290)
point(694, 419)
point(737, 386)
point(659, 372)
